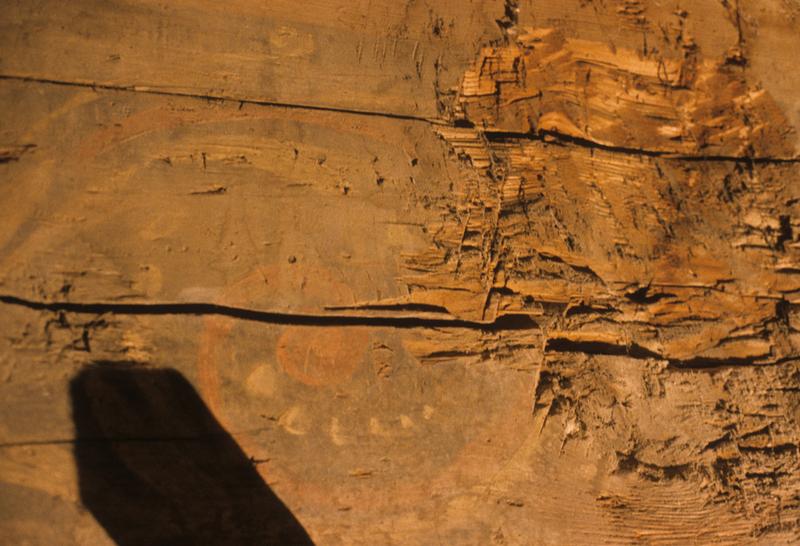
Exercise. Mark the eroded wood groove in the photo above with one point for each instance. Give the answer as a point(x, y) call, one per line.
point(221, 98)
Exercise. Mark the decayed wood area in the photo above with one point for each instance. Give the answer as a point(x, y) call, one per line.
point(448, 272)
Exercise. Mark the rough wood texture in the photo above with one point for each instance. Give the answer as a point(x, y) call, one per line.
point(383, 57)
point(447, 272)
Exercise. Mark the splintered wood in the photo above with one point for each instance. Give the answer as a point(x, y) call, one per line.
point(632, 237)
point(643, 208)
point(679, 104)
point(447, 272)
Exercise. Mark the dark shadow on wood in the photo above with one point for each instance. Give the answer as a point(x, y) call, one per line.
point(156, 468)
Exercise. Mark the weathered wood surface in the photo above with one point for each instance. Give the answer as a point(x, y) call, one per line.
point(546, 292)
point(385, 57)
point(174, 199)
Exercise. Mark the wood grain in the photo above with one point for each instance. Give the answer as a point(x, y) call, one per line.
point(383, 57)
point(447, 272)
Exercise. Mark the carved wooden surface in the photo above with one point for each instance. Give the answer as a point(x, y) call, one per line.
point(447, 272)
